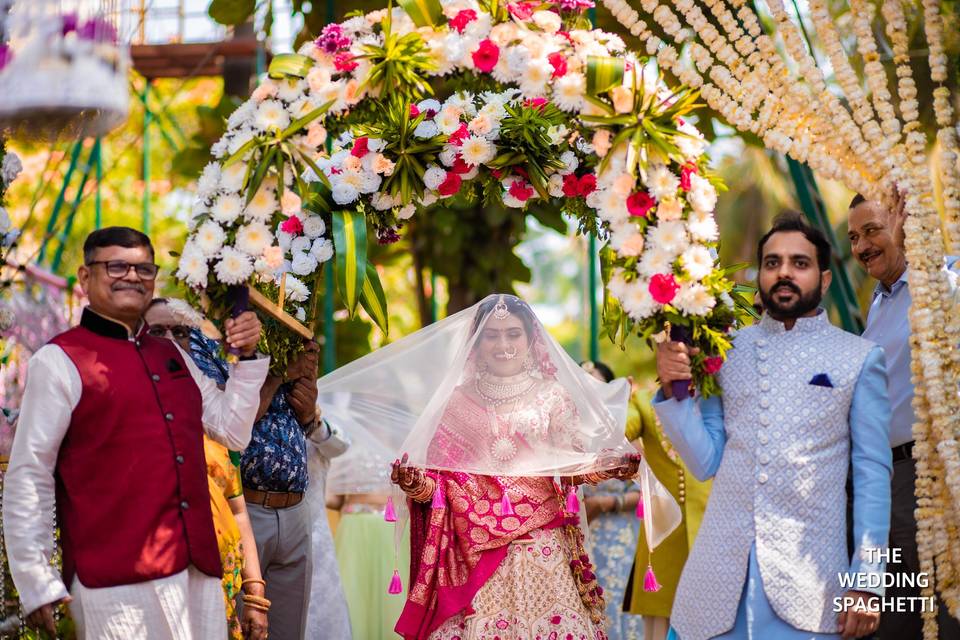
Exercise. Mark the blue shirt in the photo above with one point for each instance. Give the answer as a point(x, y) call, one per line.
point(888, 325)
point(276, 458)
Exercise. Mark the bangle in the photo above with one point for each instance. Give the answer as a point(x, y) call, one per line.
point(245, 581)
point(617, 504)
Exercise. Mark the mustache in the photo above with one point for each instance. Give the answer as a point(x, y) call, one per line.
point(786, 284)
point(122, 286)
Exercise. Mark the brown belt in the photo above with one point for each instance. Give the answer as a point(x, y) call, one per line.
point(272, 499)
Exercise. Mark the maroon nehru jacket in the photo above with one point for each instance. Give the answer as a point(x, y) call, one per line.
point(132, 493)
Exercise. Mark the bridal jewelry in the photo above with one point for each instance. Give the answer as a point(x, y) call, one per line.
point(500, 310)
point(510, 355)
point(498, 391)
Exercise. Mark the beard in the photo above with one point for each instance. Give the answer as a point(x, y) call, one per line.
point(805, 302)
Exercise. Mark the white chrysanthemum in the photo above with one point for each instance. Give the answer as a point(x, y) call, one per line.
point(493, 110)
point(209, 180)
point(448, 120)
point(263, 205)
point(234, 267)
point(369, 182)
point(703, 227)
point(626, 239)
point(694, 299)
point(295, 290)
point(617, 286)
point(613, 207)
point(192, 267)
point(670, 236)
point(290, 89)
point(697, 261)
point(661, 182)
point(303, 264)
point(702, 196)
point(533, 84)
point(284, 239)
point(426, 129)
point(253, 238)
point(231, 178)
point(271, 114)
point(463, 102)
point(691, 147)
point(430, 104)
point(477, 151)
point(433, 177)
point(300, 244)
point(209, 238)
point(517, 58)
point(300, 314)
point(449, 155)
point(313, 226)
point(568, 92)
point(655, 260)
point(226, 208)
point(343, 192)
point(242, 115)
point(220, 147)
point(333, 91)
point(239, 138)
point(322, 249)
point(637, 301)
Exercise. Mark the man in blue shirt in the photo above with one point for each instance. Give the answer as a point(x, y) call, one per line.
point(876, 241)
point(274, 472)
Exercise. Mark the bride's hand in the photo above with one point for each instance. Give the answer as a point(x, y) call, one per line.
point(410, 479)
point(628, 467)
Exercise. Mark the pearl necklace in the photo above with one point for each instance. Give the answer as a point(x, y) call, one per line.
point(498, 391)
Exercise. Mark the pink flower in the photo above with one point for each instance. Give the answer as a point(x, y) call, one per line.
point(559, 64)
point(502, 624)
point(663, 287)
point(521, 10)
point(588, 184)
point(273, 256)
point(292, 225)
point(486, 56)
point(290, 203)
point(520, 190)
point(712, 365)
point(535, 103)
point(462, 19)
point(450, 185)
point(685, 173)
point(571, 186)
point(343, 61)
point(414, 111)
point(639, 203)
point(458, 136)
point(460, 166)
point(359, 148)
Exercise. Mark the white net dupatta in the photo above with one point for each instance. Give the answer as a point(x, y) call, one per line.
point(485, 391)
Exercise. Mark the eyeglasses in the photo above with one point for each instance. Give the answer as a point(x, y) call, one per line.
point(120, 268)
point(178, 331)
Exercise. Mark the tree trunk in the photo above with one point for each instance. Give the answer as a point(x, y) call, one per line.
point(239, 71)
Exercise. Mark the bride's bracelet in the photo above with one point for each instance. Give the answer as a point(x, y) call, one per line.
point(425, 492)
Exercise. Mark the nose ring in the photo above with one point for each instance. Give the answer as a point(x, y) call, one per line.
point(510, 355)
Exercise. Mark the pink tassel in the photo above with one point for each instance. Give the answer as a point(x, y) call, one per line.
point(437, 502)
point(573, 503)
point(506, 509)
point(650, 581)
point(640, 508)
point(390, 512)
point(396, 586)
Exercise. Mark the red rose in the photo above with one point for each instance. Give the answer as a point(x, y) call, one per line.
point(663, 287)
point(520, 171)
point(458, 136)
point(712, 365)
point(292, 225)
point(450, 185)
point(343, 61)
point(520, 190)
point(462, 19)
point(359, 147)
point(588, 184)
point(520, 10)
point(559, 64)
point(535, 103)
point(685, 173)
point(486, 56)
point(571, 186)
point(639, 203)
point(414, 111)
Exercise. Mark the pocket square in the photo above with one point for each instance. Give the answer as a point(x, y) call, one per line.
point(821, 380)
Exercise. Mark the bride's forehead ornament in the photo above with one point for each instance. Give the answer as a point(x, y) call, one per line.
point(500, 310)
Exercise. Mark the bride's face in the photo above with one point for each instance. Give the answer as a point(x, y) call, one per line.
point(503, 345)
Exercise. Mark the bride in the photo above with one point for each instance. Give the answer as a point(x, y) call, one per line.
point(499, 425)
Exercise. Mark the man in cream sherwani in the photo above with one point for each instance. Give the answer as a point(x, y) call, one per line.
point(801, 400)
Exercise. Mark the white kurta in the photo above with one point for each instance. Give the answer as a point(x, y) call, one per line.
point(52, 391)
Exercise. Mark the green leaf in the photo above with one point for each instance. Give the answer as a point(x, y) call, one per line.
point(241, 152)
point(231, 12)
point(260, 174)
point(424, 13)
point(289, 64)
point(301, 123)
point(603, 73)
point(350, 244)
point(373, 299)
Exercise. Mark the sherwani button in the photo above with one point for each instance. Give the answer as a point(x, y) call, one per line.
point(184, 505)
point(168, 417)
point(764, 459)
point(155, 378)
point(762, 356)
point(764, 385)
point(762, 478)
point(764, 439)
point(179, 459)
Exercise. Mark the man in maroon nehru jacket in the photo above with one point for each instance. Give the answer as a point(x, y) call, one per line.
point(111, 434)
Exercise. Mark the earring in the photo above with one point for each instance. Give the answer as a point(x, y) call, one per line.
point(528, 364)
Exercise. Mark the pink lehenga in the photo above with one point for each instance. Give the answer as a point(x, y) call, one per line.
point(485, 567)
